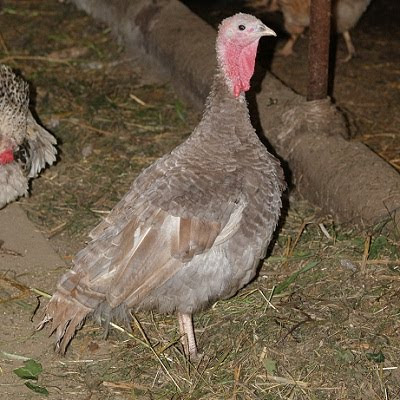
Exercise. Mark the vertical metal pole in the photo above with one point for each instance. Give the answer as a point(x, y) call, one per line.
point(318, 49)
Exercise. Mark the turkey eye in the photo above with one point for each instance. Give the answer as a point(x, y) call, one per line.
point(241, 27)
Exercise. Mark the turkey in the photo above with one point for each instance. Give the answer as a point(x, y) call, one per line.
point(25, 147)
point(194, 225)
point(296, 14)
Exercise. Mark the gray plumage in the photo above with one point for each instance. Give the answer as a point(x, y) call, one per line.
point(25, 147)
point(191, 230)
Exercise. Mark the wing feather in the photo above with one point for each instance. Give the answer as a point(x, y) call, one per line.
point(152, 254)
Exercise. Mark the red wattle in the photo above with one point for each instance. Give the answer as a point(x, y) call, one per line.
point(239, 65)
point(6, 157)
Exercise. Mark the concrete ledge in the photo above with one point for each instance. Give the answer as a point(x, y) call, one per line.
point(25, 253)
point(344, 178)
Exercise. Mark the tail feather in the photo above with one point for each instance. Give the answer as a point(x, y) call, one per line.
point(69, 329)
point(74, 301)
point(66, 316)
point(42, 147)
point(66, 312)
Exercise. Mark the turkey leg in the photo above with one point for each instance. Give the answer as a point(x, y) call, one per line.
point(187, 332)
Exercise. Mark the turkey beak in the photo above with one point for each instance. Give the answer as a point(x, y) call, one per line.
point(265, 31)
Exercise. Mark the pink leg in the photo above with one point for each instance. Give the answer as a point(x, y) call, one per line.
point(287, 49)
point(350, 47)
point(187, 332)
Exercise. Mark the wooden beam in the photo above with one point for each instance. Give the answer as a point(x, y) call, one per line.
point(318, 49)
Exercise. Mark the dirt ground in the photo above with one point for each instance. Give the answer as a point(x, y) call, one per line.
point(321, 321)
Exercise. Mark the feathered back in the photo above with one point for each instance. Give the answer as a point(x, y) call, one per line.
point(14, 102)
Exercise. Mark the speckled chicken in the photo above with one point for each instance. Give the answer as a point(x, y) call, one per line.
point(195, 224)
point(296, 13)
point(25, 147)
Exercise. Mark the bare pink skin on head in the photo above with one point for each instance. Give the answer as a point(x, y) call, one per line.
point(6, 157)
point(240, 66)
point(237, 44)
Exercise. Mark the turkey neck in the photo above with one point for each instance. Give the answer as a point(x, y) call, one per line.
point(225, 124)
